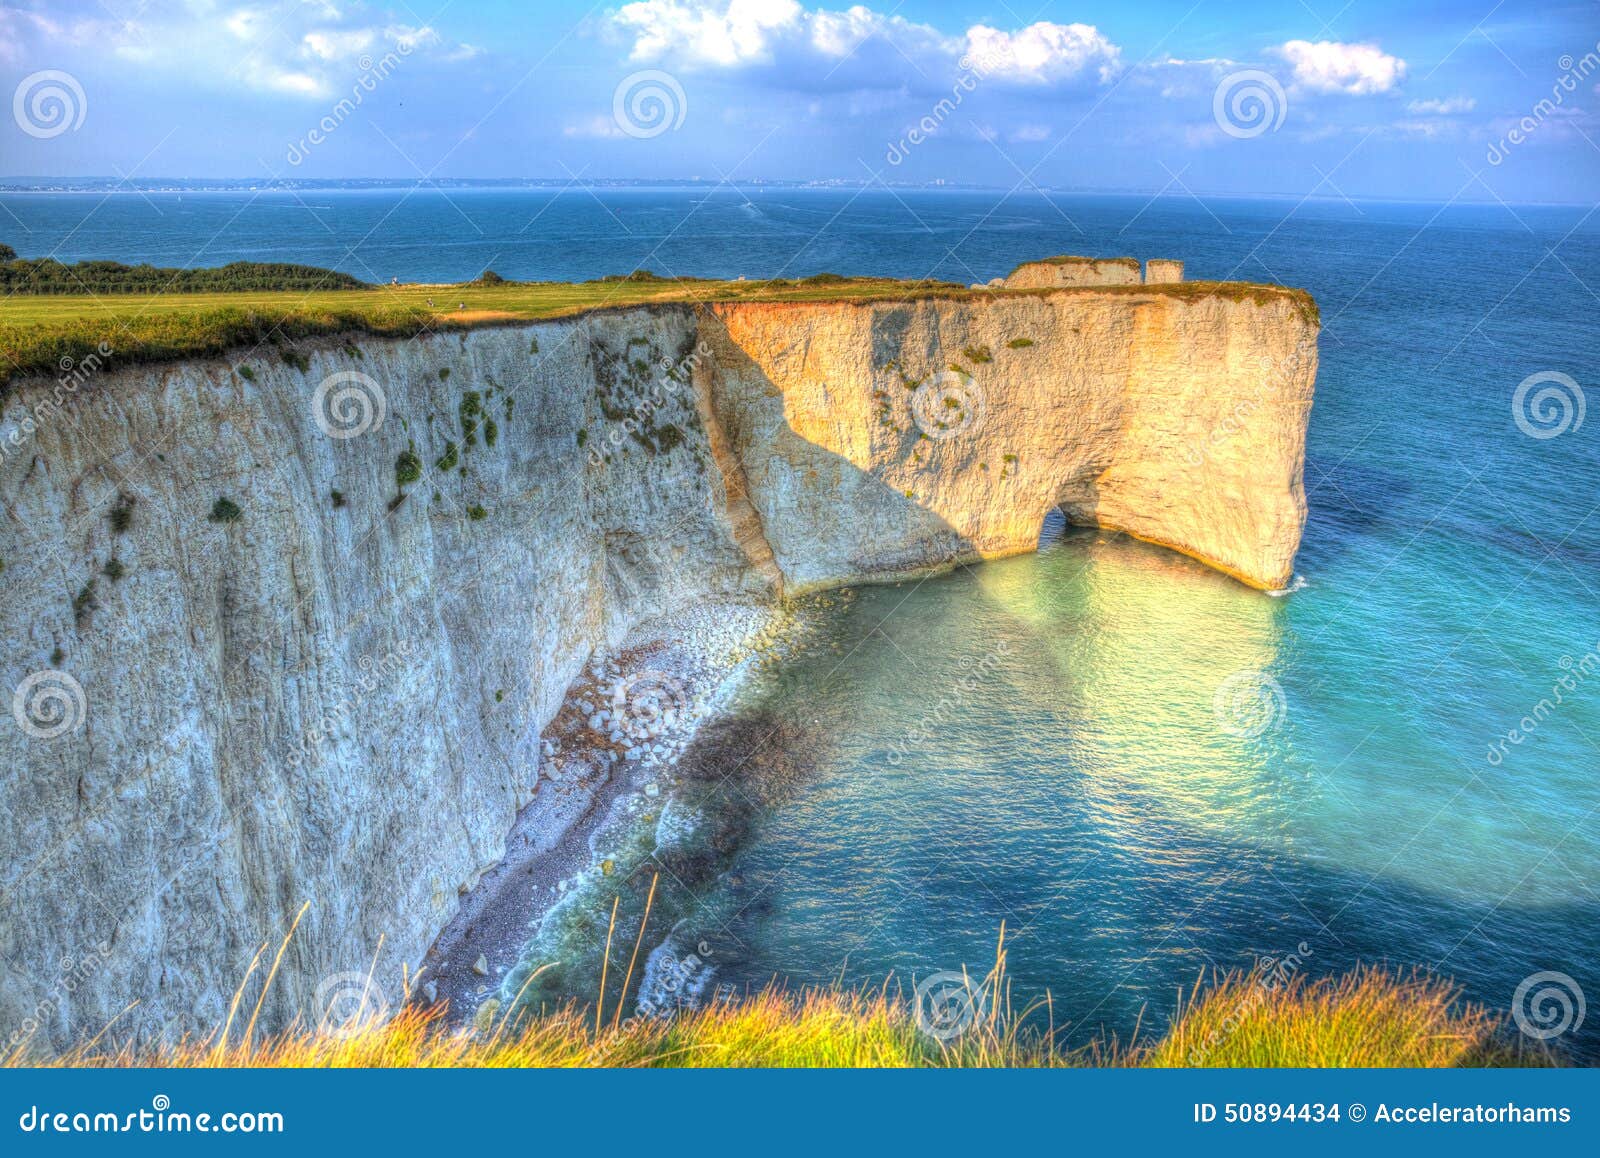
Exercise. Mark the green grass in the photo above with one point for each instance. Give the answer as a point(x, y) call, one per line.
point(42, 334)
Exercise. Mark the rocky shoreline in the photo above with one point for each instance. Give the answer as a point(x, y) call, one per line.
point(609, 769)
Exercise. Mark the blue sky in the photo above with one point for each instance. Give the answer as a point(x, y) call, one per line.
point(1433, 100)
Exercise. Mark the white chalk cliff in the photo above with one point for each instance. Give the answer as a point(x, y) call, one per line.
point(339, 700)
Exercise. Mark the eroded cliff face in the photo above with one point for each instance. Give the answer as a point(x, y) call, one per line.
point(882, 440)
point(337, 698)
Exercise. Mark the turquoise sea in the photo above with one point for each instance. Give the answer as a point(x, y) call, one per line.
point(1109, 788)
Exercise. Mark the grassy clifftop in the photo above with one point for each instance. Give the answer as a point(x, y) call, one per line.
point(50, 335)
point(1369, 1018)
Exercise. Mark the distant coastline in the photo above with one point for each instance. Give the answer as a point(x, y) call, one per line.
point(166, 185)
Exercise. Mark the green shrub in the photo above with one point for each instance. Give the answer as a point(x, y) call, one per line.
point(83, 603)
point(977, 355)
point(225, 510)
point(247, 374)
point(113, 570)
point(122, 513)
point(296, 359)
point(489, 277)
point(1019, 343)
point(337, 498)
point(451, 456)
point(444, 372)
point(491, 432)
point(468, 411)
point(476, 513)
point(583, 437)
point(407, 468)
point(48, 276)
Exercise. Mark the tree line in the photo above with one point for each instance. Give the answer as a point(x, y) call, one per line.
point(48, 276)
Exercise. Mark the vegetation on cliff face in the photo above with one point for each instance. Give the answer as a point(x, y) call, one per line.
point(45, 335)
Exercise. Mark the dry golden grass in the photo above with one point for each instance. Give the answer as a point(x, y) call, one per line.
point(1368, 1018)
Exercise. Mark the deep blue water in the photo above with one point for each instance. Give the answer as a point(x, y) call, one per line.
point(1087, 796)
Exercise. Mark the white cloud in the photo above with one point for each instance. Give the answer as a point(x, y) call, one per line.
point(1351, 69)
point(287, 47)
point(1447, 107)
point(885, 50)
point(702, 32)
point(1042, 53)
